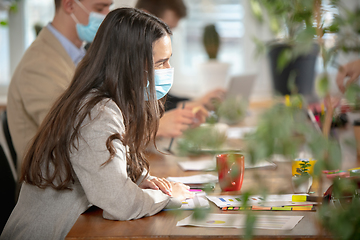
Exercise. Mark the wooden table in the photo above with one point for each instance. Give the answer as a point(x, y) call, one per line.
point(91, 225)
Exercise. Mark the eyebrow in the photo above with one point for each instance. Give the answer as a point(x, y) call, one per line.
point(103, 4)
point(163, 60)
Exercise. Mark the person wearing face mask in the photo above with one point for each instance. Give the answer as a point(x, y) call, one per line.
point(103, 123)
point(181, 113)
point(48, 66)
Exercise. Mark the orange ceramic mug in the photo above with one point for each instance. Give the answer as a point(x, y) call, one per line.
point(231, 168)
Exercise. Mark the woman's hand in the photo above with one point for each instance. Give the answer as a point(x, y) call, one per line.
point(157, 184)
point(175, 121)
point(215, 96)
point(181, 191)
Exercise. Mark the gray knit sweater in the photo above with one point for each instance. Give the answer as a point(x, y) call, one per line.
point(50, 214)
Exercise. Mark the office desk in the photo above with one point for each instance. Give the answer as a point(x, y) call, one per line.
point(91, 225)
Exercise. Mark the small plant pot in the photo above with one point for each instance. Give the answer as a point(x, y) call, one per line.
point(301, 185)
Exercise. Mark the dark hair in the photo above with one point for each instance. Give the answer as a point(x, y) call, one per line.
point(115, 67)
point(57, 4)
point(158, 7)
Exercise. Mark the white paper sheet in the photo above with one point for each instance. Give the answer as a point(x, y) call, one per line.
point(199, 165)
point(263, 164)
point(199, 201)
point(210, 165)
point(270, 201)
point(238, 221)
point(239, 132)
point(195, 179)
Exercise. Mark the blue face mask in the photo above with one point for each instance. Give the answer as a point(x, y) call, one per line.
point(87, 32)
point(163, 81)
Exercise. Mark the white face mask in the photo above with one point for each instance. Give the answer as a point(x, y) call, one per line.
point(87, 32)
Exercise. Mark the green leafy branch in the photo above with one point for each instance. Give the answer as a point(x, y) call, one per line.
point(12, 6)
point(304, 168)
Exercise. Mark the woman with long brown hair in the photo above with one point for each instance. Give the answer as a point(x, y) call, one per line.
point(90, 148)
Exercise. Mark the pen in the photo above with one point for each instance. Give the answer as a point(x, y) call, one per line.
point(313, 120)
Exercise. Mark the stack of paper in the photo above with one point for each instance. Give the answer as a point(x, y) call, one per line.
point(258, 201)
point(195, 179)
point(199, 201)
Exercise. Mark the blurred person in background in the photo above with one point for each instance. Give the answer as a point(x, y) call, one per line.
point(48, 65)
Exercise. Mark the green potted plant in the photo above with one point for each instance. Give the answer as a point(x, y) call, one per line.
point(208, 138)
point(7, 5)
point(341, 222)
point(285, 129)
point(302, 180)
point(231, 111)
point(212, 73)
point(294, 51)
point(211, 41)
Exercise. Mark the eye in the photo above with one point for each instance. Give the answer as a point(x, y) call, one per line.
point(99, 10)
point(159, 65)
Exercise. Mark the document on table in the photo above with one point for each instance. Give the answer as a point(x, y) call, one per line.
point(238, 221)
point(199, 201)
point(195, 179)
point(198, 165)
point(210, 165)
point(273, 200)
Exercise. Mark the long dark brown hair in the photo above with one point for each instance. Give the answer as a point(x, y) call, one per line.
point(115, 67)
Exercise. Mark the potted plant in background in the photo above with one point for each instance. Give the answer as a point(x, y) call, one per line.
point(295, 51)
point(7, 5)
point(213, 73)
point(341, 222)
point(302, 180)
point(285, 129)
point(232, 110)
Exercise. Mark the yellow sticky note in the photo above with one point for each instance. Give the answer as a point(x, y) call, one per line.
point(299, 198)
point(302, 208)
point(286, 208)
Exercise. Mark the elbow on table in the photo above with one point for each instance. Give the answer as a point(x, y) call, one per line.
point(124, 215)
point(118, 217)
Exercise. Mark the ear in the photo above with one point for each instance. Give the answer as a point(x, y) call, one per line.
point(67, 6)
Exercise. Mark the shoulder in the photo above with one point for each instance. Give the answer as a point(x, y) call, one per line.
point(105, 114)
point(46, 56)
point(107, 107)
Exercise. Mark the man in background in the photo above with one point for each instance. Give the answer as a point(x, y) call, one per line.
point(48, 66)
point(172, 123)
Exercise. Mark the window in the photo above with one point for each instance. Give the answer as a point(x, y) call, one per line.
point(4, 50)
point(37, 12)
point(227, 15)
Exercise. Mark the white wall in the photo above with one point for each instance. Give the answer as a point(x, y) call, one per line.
point(263, 86)
point(124, 3)
point(188, 84)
